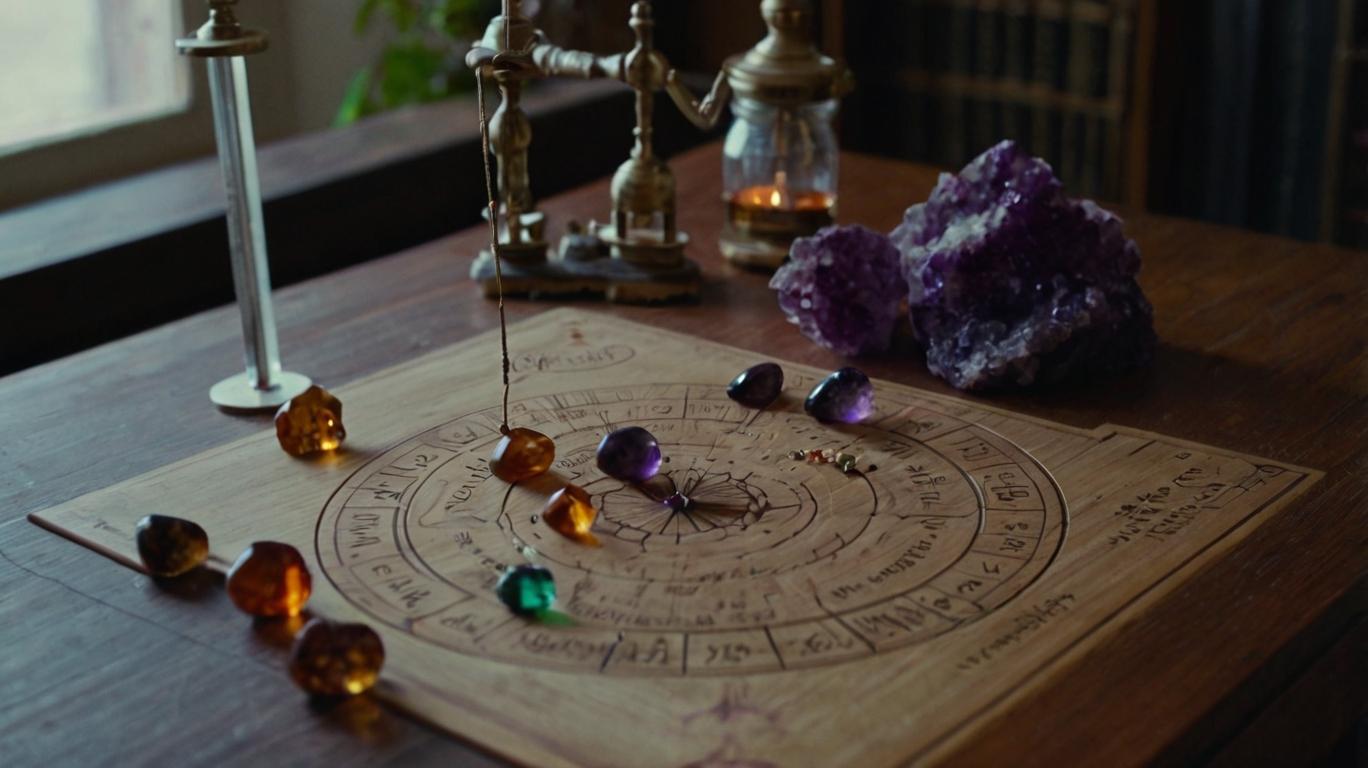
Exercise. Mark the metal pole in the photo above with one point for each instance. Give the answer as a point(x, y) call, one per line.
point(222, 41)
point(246, 231)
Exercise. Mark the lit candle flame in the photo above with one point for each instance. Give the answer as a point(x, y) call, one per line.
point(775, 198)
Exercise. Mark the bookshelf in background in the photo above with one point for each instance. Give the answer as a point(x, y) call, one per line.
point(1068, 79)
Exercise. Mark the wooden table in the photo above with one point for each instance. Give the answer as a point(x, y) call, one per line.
point(1263, 350)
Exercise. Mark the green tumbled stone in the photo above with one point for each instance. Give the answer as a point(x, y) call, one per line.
point(527, 590)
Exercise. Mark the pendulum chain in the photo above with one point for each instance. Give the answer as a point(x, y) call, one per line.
point(494, 241)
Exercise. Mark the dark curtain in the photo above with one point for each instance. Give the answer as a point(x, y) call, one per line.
point(1242, 90)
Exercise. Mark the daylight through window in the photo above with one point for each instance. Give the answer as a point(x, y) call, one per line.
point(69, 67)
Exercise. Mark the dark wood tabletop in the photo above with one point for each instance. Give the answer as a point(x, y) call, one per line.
point(1262, 350)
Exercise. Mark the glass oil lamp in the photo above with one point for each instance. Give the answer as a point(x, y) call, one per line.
point(780, 157)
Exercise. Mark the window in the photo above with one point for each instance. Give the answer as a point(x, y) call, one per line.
point(72, 67)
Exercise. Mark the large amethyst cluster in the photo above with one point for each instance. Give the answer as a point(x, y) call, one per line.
point(844, 288)
point(1010, 282)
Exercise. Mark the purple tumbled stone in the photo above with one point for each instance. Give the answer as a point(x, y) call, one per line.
point(757, 386)
point(1011, 282)
point(630, 454)
point(844, 288)
point(844, 397)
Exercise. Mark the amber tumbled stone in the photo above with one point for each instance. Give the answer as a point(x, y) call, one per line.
point(310, 422)
point(335, 659)
point(270, 579)
point(170, 546)
point(571, 513)
point(522, 454)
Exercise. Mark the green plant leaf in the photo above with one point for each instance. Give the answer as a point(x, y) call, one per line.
point(363, 15)
point(404, 13)
point(356, 101)
point(421, 65)
point(411, 75)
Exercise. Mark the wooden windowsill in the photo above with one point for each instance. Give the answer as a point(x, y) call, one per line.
point(118, 258)
point(126, 211)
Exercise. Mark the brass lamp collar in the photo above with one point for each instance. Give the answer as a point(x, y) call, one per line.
point(785, 68)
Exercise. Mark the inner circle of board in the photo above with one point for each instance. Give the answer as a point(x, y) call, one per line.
point(780, 564)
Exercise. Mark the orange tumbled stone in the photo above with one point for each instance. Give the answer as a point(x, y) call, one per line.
point(310, 422)
point(521, 455)
point(571, 513)
point(270, 579)
point(335, 659)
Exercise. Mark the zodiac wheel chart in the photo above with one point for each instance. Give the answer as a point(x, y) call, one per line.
point(774, 564)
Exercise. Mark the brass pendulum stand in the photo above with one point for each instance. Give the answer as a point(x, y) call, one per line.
point(638, 256)
point(643, 228)
point(520, 226)
point(222, 42)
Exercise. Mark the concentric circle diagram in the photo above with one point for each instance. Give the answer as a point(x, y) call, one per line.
point(775, 564)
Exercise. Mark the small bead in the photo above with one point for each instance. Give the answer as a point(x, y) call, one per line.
point(527, 590)
point(844, 397)
point(522, 454)
point(677, 502)
point(170, 546)
point(757, 386)
point(335, 659)
point(630, 454)
point(846, 461)
point(310, 422)
point(270, 579)
point(570, 512)
point(815, 456)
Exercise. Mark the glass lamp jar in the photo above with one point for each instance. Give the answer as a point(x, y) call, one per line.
point(779, 170)
point(779, 160)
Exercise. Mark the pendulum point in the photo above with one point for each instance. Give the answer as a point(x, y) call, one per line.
point(521, 454)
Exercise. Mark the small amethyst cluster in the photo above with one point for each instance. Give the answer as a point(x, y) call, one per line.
point(1008, 281)
point(843, 287)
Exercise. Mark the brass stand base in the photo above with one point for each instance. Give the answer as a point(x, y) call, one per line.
point(240, 394)
point(611, 279)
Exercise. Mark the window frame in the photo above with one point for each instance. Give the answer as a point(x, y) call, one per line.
point(35, 172)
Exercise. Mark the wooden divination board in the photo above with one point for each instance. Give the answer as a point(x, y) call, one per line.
point(820, 619)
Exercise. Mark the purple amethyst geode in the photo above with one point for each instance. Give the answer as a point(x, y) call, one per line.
point(843, 287)
point(1010, 282)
